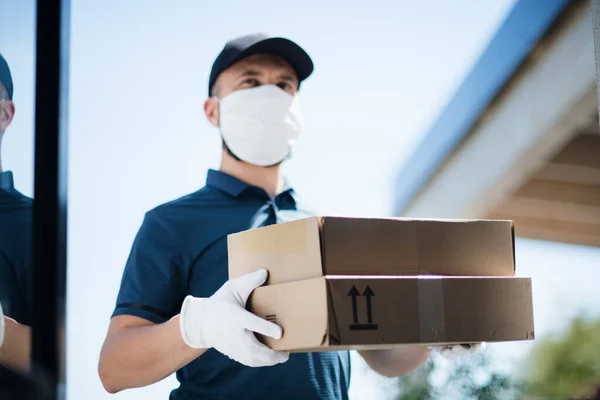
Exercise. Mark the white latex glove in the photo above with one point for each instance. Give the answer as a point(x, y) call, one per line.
point(1, 326)
point(460, 350)
point(223, 323)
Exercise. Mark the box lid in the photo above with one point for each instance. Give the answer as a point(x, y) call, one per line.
point(318, 246)
point(395, 246)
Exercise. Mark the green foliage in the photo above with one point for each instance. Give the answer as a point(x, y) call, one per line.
point(460, 383)
point(564, 366)
point(494, 385)
point(567, 365)
point(415, 386)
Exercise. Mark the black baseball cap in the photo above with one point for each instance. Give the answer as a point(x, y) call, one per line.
point(244, 46)
point(6, 77)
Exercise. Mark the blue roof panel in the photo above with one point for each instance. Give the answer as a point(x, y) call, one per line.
point(527, 22)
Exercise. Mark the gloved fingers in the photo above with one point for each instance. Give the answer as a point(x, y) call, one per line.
point(252, 353)
point(255, 363)
point(447, 353)
point(461, 350)
point(454, 351)
point(256, 324)
point(250, 362)
point(261, 353)
point(241, 347)
point(477, 348)
point(245, 284)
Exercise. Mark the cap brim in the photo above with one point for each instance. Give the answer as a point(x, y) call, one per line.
point(286, 49)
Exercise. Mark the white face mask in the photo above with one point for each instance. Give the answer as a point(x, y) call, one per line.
point(259, 125)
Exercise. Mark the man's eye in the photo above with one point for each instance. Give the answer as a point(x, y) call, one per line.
point(250, 82)
point(284, 86)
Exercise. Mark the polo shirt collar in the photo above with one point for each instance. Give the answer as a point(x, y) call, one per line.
point(234, 186)
point(7, 182)
point(226, 183)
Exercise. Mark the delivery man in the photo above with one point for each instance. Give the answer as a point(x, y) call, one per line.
point(15, 250)
point(176, 310)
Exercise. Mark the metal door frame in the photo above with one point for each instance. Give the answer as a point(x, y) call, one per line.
point(50, 196)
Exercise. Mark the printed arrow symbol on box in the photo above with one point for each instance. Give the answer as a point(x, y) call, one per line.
point(368, 293)
point(354, 293)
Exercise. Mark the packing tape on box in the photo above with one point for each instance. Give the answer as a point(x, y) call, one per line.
point(431, 309)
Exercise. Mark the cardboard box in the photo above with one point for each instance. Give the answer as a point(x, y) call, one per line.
point(363, 283)
point(341, 312)
point(313, 247)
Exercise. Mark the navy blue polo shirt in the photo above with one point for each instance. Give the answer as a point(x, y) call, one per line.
point(181, 249)
point(16, 216)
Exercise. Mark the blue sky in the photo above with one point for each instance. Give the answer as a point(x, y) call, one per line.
point(138, 136)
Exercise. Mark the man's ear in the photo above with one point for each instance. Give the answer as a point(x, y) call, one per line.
point(211, 109)
point(7, 112)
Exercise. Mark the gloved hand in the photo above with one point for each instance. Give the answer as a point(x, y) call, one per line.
point(460, 350)
point(223, 323)
point(1, 326)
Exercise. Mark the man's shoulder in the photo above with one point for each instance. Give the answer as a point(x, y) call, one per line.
point(16, 199)
point(15, 209)
point(202, 197)
point(187, 209)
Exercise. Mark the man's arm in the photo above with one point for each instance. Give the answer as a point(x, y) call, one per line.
point(397, 361)
point(15, 338)
point(15, 351)
point(402, 360)
point(138, 352)
point(142, 348)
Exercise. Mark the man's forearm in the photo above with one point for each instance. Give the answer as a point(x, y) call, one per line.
point(397, 361)
point(15, 352)
point(138, 356)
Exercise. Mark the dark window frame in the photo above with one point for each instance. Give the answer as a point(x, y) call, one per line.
point(47, 379)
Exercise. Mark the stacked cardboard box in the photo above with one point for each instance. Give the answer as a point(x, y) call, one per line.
point(356, 283)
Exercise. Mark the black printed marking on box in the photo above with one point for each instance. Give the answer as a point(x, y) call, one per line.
point(367, 294)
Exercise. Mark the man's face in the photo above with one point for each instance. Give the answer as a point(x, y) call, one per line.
point(252, 71)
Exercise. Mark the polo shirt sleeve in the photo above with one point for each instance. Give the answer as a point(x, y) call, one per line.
point(155, 278)
point(9, 290)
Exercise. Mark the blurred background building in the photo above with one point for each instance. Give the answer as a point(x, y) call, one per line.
point(519, 140)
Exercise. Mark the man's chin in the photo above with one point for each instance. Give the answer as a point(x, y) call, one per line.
point(238, 159)
point(272, 165)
